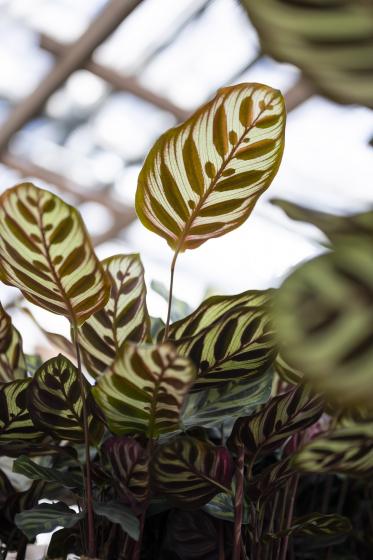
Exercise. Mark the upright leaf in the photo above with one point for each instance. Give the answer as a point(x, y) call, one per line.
point(56, 405)
point(128, 464)
point(212, 407)
point(324, 318)
point(279, 419)
point(15, 420)
point(46, 252)
point(124, 317)
point(229, 338)
point(12, 359)
point(190, 472)
point(145, 390)
point(345, 450)
point(203, 178)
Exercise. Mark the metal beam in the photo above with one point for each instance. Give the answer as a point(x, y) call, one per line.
point(74, 57)
point(117, 80)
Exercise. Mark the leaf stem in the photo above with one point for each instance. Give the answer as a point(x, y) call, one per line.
point(238, 504)
point(172, 272)
point(87, 479)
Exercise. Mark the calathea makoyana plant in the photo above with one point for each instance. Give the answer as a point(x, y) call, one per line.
point(222, 434)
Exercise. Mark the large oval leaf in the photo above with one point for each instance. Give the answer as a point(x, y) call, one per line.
point(324, 319)
point(279, 419)
point(145, 390)
point(345, 450)
point(229, 338)
point(203, 178)
point(12, 359)
point(331, 41)
point(190, 472)
point(15, 420)
point(46, 252)
point(124, 317)
point(56, 404)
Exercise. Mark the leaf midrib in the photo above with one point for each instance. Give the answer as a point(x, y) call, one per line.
point(214, 181)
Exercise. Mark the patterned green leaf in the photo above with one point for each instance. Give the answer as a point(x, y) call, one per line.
point(34, 471)
point(211, 407)
point(124, 317)
point(346, 450)
point(286, 372)
point(203, 178)
point(15, 419)
point(12, 359)
point(190, 472)
point(333, 226)
point(279, 419)
point(222, 507)
point(324, 322)
point(46, 252)
point(118, 513)
point(55, 402)
point(316, 524)
point(270, 480)
point(229, 338)
point(44, 518)
point(145, 390)
point(129, 468)
point(330, 41)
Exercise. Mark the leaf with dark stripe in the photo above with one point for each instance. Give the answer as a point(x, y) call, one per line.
point(12, 359)
point(128, 464)
point(332, 526)
point(203, 178)
point(24, 465)
point(124, 317)
point(330, 41)
point(44, 518)
point(263, 486)
point(46, 252)
point(324, 321)
point(229, 338)
point(211, 407)
point(345, 450)
point(55, 402)
point(145, 389)
point(190, 472)
point(15, 420)
point(335, 227)
point(279, 419)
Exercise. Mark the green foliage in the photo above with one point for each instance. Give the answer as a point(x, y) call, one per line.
point(206, 436)
point(329, 40)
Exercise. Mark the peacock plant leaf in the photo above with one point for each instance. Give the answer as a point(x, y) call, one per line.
point(345, 450)
point(332, 526)
point(46, 252)
point(123, 318)
point(144, 391)
point(335, 227)
point(128, 464)
point(190, 472)
point(55, 402)
point(15, 420)
point(323, 315)
point(12, 359)
point(119, 514)
point(44, 518)
point(330, 41)
point(211, 407)
point(203, 178)
point(282, 417)
point(270, 480)
point(287, 373)
point(229, 338)
point(32, 470)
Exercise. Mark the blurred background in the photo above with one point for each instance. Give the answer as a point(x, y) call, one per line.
point(87, 86)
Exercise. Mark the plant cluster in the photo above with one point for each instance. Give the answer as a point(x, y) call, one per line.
point(238, 430)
